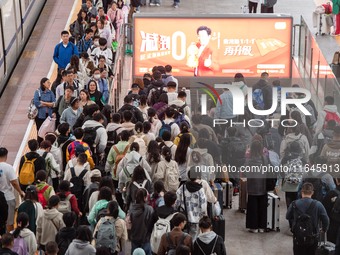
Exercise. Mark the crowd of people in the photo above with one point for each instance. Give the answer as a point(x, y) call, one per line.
point(104, 176)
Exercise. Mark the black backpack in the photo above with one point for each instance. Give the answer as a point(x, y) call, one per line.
point(86, 197)
point(78, 184)
point(233, 151)
point(90, 134)
point(304, 229)
point(155, 94)
point(112, 137)
point(102, 213)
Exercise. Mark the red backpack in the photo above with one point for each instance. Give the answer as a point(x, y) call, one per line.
point(41, 198)
point(332, 116)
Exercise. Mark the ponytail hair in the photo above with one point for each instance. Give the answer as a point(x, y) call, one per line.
point(166, 152)
point(22, 222)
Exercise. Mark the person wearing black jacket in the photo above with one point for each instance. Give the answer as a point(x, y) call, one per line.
point(208, 242)
point(333, 233)
point(137, 114)
point(66, 234)
point(318, 213)
point(39, 163)
point(3, 213)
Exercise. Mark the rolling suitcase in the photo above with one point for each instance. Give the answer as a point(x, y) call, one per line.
point(227, 194)
point(273, 212)
point(243, 195)
point(325, 247)
point(218, 226)
point(218, 191)
point(324, 24)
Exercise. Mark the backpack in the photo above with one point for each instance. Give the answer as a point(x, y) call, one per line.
point(90, 134)
point(119, 157)
point(132, 162)
point(161, 227)
point(41, 198)
point(26, 175)
point(65, 204)
point(293, 176)
point(335, 212)
point(78, 183)
point(258, 99)
point(171, 247)
point(87, 194)
point(235, 151)
point(106, 235)
point(141, 143)
point(72, 27)
point(112, 137)
point(165, 127)
point(303, 229)
point(20, 246)
point(332, 116)
point(180, 119)
point(303, 151)
point(140, 185)
point(171, 179)
point(32, 112)
point(212, 250)
point(155, 94)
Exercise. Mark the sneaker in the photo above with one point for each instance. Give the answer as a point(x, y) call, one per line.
point(253, 230)
point(158, 4)
point(175, 5)
point(152, 4)
point(261, 230)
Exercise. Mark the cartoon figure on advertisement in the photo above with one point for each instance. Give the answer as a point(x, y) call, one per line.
point(200, 54)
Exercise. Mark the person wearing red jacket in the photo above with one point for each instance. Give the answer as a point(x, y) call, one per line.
point(64, 191)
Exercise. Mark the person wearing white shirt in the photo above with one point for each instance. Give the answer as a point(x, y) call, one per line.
point(8, 181)
point(171, 88)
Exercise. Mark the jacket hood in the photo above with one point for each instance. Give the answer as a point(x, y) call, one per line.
point(51, 213)
point(331, 108)
point(92, 123)
point(158, 83)
point(25, 232)
point(66, 232)
point(202, 151)
point(177, 102)
point(260, 84)
point(137, 210)
point(31, 155)
point(334, 144)
point(80, 244)
point(327, 133)
point(207, 237)
point(100, 204)
point(193, 186)
point(292, 137)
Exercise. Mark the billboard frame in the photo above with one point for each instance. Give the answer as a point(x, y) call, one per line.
point(213, 16)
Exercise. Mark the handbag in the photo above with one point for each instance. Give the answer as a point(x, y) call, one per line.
point(48, 126)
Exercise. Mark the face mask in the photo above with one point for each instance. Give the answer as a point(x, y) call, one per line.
point(96, 76)
point(96, 43)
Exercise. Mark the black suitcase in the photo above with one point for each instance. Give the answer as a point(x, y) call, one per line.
point(218, 226)
point(325, 247)
point(228, 190)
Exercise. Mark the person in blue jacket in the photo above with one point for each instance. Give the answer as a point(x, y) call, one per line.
point(44, 100)
point(64, 50)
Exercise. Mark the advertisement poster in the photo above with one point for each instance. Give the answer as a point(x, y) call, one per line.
point(218, 47)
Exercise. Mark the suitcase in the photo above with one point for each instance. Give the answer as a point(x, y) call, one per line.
point(218, 226)
point(228, 190)
point(323, 24)
point(325, 247)
point(273, 212)
point(243, 195)
point(218, 191)
point(244, 9)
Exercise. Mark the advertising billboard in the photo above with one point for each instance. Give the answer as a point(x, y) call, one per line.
point(215, 46)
